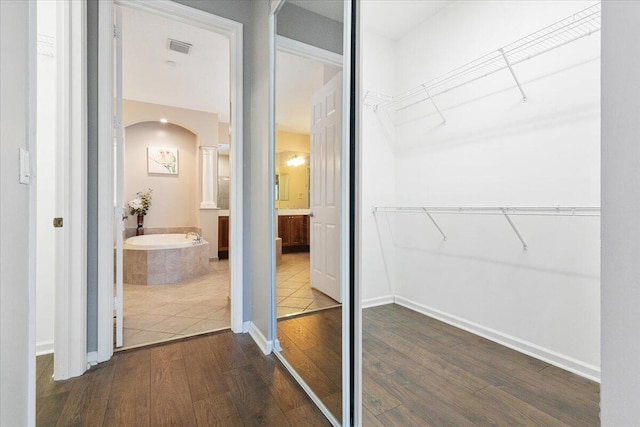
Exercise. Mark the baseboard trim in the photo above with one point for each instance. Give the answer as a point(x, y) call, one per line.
point(44, 347)
point(92, 358)
point(265, 345)
point(374, 302)
point(246, 326)
point(557, 359)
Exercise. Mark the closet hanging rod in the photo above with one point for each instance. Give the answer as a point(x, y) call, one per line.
point(574, 27)
point(478, 210)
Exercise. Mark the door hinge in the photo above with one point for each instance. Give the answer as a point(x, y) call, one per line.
point(116, 122)
point(116, 32)
point(117, 303)
point(57, 222)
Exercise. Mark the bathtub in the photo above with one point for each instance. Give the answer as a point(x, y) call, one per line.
point(159, 259)
point(158, 241)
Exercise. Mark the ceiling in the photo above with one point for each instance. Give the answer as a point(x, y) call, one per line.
point(297, 79)
point(198, 81)
point(393, 19)
point(332, 9)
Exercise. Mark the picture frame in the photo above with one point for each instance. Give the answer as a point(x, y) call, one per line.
point(162, 160)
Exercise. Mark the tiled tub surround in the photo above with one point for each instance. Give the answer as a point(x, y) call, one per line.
point(160, 266)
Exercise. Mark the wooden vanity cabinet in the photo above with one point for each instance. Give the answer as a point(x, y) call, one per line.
point(294, 232)
point(223, 237)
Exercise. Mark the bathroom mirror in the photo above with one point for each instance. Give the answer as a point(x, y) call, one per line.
point(308, 154)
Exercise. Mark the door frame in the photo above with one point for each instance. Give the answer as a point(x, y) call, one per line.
point(226, 27)
point(70, 331)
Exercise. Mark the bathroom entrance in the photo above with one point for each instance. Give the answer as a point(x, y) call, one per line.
point(175, 143)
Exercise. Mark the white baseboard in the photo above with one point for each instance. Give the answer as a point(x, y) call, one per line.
point(44, 347)
point(92, 358)
point(374, 302)
point(245, 327)
point(265, 345)
point(560, 360)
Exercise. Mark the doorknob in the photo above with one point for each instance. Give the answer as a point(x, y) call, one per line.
point(311, 214)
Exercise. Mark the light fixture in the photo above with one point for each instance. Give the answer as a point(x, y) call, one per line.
point(295, 161)
point(163, 120)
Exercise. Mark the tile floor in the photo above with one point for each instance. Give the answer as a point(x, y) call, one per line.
point(164, 312)
point(294, 293)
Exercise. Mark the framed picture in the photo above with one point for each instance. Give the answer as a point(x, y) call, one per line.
point(162, 160)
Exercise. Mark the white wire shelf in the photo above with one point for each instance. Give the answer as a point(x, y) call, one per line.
point(480, 210)
point(506, 212)
point(574, 27)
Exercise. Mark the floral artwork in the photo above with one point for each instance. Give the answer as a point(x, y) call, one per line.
point(162, 160)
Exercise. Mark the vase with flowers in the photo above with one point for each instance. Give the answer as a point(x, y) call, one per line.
point(140, 207)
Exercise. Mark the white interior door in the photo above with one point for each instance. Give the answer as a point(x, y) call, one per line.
point(118, 178)
point(326, 141)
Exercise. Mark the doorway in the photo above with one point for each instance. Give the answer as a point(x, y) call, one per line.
point(195, 161)
point(175, 114)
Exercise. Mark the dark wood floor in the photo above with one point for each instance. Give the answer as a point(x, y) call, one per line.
point(418, 371)
point(312, 344)
point(214, 380)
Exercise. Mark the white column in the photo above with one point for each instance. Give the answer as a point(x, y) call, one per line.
point(209, 178)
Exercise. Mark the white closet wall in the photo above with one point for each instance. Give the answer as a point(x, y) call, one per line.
point(378, 172)
point(496, 150)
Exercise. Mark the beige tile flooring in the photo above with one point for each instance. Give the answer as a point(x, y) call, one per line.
point(294, 293)
point(164, 312)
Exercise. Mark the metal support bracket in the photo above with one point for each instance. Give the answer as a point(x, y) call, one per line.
point(444, 121)
point(513, 227)
point(513, 74)
point(444, 236)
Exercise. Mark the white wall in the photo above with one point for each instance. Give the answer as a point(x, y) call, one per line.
point(620, 226)
point(46, 178)
point(17, 361)
point(175, 199)
point(378, 171)
point(496, 150)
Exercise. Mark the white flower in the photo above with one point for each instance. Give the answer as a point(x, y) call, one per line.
point(136, 204)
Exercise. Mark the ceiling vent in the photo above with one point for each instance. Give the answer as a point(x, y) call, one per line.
point(178, 46)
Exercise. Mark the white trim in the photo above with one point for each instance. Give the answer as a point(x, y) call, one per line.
point(92, 358)
point(70, 332)
point(298, 48)
point(557, 359)
point(105, 181)
point(32, 147)
point(319, 403)
point(345, 230)
point(44, 347)
point(265, 345)
point(375, 302)
point(228, 28)
point(272, 327)
point(246, 326)
point(358, 305)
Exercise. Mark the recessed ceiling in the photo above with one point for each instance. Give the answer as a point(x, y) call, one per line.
point(153, 73)
point(297, 80)
point(393, 19)
point(332, 9)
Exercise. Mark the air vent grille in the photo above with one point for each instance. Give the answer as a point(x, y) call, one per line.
point(178, 46)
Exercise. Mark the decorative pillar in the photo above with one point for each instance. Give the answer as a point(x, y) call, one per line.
point(209, 178)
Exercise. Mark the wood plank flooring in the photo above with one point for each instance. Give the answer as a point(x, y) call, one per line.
point(418, 371)
point(220, 379)
point(312, 344)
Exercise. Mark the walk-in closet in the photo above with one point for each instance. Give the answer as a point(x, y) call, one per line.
point(480, 212)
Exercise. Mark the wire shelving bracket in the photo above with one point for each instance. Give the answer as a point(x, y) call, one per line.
point(506, 212)
point(579, 25)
